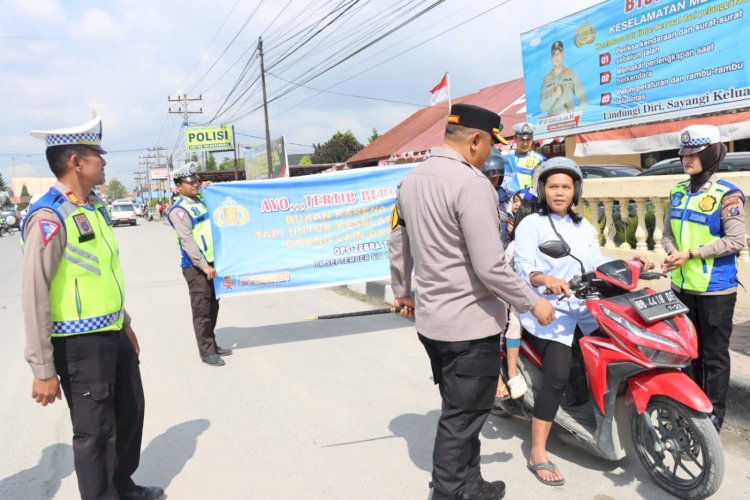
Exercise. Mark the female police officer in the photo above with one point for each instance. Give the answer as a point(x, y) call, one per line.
point(704, 230)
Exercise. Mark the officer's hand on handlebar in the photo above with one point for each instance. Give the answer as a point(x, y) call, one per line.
point(557, 286)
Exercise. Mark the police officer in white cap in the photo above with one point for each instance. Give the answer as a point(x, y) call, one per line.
point(521, 163)
point(190, 219)
point(78, 335)
point(704, 231)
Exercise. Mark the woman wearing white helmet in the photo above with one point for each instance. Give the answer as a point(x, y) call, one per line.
point(704, 231)
point(559, 189)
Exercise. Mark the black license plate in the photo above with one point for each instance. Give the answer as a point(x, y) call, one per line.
point(658, 306)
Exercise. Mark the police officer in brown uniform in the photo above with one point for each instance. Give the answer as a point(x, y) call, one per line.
point(445, 229)
point(190, 219)
point(78, 335)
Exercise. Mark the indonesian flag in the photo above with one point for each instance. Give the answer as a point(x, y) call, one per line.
point(440, 92)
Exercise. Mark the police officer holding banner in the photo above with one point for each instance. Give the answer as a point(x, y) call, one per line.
point(78, 335)
point(444, 219)
point(190, 219)
point(704, 231)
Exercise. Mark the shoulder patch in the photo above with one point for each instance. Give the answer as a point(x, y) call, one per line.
point(49, 229)
point(180, 214)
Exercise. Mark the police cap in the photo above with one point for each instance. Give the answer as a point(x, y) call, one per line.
point(696, 138)
point(524, 130)
point(470, 116)
point(558, 45)
point(184, 173)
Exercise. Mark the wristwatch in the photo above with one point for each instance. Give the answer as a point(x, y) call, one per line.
point(690, 254)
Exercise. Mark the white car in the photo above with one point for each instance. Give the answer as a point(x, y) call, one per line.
point(123, 213)
point(138, 209)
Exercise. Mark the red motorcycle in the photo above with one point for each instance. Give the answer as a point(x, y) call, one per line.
point(627, 384)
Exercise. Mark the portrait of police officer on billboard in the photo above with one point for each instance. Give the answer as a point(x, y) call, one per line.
point(561, 86)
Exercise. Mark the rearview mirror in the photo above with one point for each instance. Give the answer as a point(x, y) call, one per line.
point(555, 249)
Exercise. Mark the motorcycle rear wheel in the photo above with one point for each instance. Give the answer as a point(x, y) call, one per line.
point(692, 464)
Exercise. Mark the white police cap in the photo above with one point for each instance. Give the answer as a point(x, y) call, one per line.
point(696, 138)
point(524, 130)
point(185, 171)
point(89, 134)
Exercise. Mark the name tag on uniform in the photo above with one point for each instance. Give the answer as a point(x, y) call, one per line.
point(85, 231)
point(105, 214)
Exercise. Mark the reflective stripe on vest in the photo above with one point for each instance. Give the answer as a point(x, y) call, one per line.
point(202, 234)
point(695, 219)
point(87, 292)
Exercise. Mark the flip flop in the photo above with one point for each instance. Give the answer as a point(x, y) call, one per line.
point(549, 467)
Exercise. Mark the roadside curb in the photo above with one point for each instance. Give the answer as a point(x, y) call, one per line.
point(738, 397)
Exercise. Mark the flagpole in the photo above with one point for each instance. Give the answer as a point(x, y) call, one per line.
point(448, 81)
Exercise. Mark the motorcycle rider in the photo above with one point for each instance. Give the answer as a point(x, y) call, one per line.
point(704, 231)
point(559, 190)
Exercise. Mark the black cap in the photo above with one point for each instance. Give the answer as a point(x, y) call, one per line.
point(470, 116)
point(557, 46)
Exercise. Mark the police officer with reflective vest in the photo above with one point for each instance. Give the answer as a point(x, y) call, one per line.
point(78, 334)
point(704, 231)
point(190, 219)
point(521, 164)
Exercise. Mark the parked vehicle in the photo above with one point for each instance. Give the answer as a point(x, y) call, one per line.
point(12, 218)
point(123, 213)
point(627, 386)
point(734, 162)
point(7, 226)
point(606, 170)
point(138, 209)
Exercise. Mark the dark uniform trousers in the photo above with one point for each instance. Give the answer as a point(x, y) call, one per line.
point(100, 376)
point(712, 316)
point(205, 308)
point(466, 374)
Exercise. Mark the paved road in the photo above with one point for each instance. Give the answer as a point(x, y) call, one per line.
point(337, 410)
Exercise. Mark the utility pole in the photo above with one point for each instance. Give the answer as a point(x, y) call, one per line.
point(184, 100)
point(158, 150)
point(265, 105)
point(146, 161)
point(138, 177)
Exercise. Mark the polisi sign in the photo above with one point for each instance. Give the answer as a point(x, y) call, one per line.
point(209, 139)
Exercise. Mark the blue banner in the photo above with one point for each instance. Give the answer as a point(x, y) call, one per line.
point(302, 232)
point(625, 62)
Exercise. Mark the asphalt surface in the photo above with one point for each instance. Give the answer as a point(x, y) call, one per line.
point(336, 409)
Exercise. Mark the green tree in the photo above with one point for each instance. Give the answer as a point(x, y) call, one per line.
point(339, 148)
point(211, 163)
point(25, 191)
point(115, 190)
point(3, 186)
point(305, 160)
point(375, 135)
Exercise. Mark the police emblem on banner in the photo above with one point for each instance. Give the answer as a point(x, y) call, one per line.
point(707, 204)
point(230, 213)
point(584, 35)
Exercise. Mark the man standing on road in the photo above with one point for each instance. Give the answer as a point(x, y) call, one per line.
point(445, 227)
point(190, 219)
point(76, 325)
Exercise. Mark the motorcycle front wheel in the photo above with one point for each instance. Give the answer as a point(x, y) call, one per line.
point(690, 463)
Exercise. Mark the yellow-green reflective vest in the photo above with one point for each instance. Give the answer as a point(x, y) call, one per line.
point(696, 221)
point(87, 293)
point(201, 228)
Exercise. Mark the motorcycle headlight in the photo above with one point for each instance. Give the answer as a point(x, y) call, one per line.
point(654, 355)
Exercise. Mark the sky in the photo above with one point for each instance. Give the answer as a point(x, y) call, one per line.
point(123, 59)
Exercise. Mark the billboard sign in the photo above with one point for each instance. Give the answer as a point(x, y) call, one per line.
point(209, 138)
point(256, 160)
point(159, 173)
point(625, 62)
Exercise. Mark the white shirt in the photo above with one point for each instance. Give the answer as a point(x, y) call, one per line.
point(536, 229)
